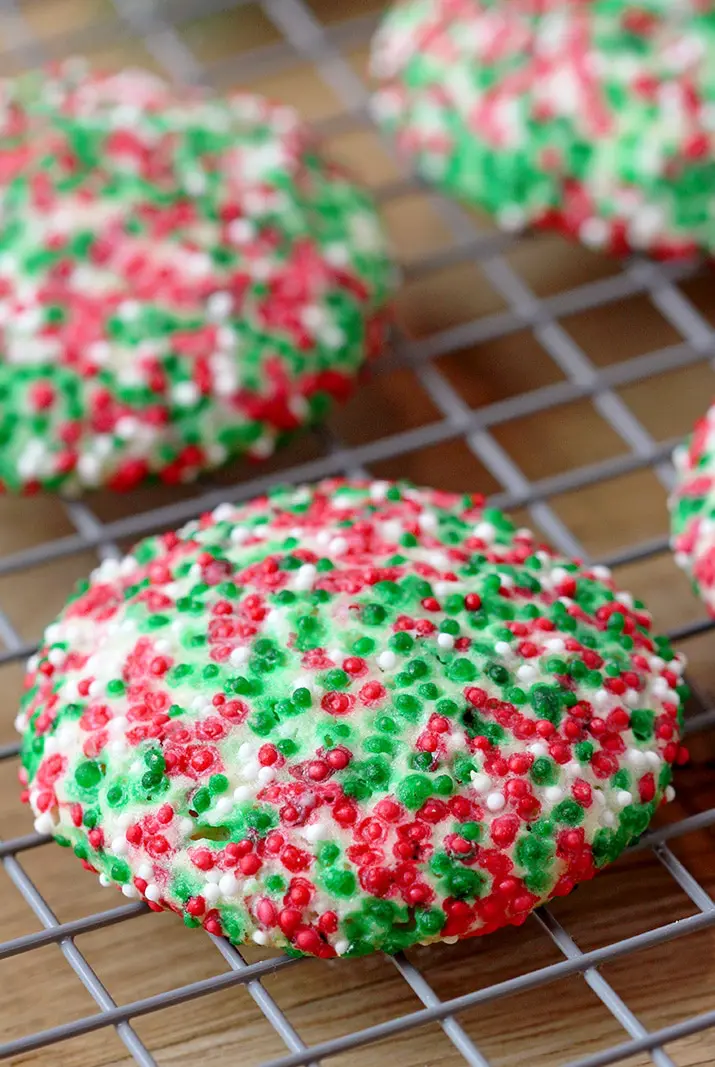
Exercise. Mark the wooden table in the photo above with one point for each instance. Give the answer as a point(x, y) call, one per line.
point(151, 953)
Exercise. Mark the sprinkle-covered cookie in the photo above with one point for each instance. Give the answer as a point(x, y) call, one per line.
point(595, 118)
point(349, 717)
point(182, 280)
point(692, 508)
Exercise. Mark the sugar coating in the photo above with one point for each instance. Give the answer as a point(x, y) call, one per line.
point(692, 508)
point(594, 118)
point(349, 717)
point(182, 280)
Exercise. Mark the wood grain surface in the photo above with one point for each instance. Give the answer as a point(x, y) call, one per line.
point(151, 953)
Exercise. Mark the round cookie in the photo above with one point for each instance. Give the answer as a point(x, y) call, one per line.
point(594, 118)
point(182, 280)
point(349, 717)
point(692, 508)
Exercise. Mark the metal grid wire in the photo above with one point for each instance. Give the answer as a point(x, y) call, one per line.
point(305, 39)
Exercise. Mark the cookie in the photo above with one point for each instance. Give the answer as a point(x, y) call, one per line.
point(349, 717)
point(692, 508)
point(597, 119)
point(182, 280)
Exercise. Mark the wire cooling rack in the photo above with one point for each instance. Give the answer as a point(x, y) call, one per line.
point(313, 34)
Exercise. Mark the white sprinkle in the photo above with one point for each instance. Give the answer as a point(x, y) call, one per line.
point(446, 588)
point(129, 310)
point(195, 183)
point(594, 232)
point(198, 266)
point(601, 572)
point(313, 317)
point(242, 792)
point(337, 546)
point(538, 748)
point(88, 469)
point(635, 758)
point(607, 818)
point(496, 801)
point(378, 490)
point(228, 885)
point(104, 881)
point(219, 306)
point(623, 798)
point(386, 660)
point(129, 890)
point(480, 781)
point(553, 794)
point(337, 255)
point(223, 513)
point(485, 531)
point(211, 893)
point(265, 775)
point(427, 520)
point(391, 530)
point(152, 892)
point(44, 823)
point(119, 846)
point(185, 394)
point(145, 871)
point(250, 770)
point(317, 831)
point(240, 231)
point(304, 577)
point(239, 656)
point(526, 673)
point(555, 644)
point(341, 946)
point(445, 641)
point(503, 648)
point(669, 793)
point(260, 937)
point(223, 806)
point(127, 566)
point(653, 760)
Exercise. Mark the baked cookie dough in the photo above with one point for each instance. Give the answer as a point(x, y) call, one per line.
point(692, 508)
point(594, 118)
point(349, 717)
point(182, 280)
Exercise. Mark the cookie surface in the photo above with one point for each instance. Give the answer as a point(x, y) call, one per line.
point(594, 118)
point(182, 280)
point(692, 508)
point(349, 717)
